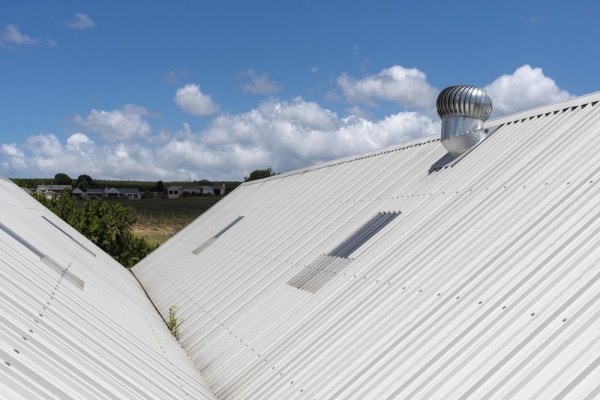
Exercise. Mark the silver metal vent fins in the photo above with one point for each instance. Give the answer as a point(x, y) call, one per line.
point(463, 110)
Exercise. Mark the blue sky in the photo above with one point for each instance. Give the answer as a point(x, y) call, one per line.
point(215, 89)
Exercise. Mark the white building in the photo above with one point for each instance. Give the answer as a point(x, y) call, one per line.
point(122, 193)
point(416, 275)
point(51, 190)
point(175, 192)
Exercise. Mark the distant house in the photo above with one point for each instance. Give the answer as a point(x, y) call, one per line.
point(123, 193)
point(175, 192)
point(55, 188)
point(112, 192)
point(94, 193)
point(197, 189)
point(49, 190)
point(213, 189)
point(78, 192)
point(129, 193)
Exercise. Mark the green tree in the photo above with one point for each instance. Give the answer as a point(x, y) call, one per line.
point(19, 182)
point(63, 206)
point(259, 174)
point(84, 182)
point(160, 186)
point(62, 179)
point(107, 226)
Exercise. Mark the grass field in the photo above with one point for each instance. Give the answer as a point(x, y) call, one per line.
point(153, 237)
point(167, 214)
point(158, 219)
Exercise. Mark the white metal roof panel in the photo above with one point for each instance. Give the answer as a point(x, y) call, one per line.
point(61, 340)
point(486, 285)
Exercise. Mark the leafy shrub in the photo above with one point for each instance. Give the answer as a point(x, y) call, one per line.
point(108, 226)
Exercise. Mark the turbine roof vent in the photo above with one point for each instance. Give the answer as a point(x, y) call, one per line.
point(464, 101)
point(463, 110)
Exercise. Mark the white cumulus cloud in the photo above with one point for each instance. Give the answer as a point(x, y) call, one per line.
point(192, 101)
point(525, 88)
point(81, 21)
point(307, 114)
point(283, 134)
point(260, 83)
point(80, 143)
point(406, 86)
point(125, 125)
point(13, 158)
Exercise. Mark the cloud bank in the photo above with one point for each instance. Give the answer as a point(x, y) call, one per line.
point(284, 134)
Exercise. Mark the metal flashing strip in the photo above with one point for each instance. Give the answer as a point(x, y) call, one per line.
point(205, 245)
point(69, 236)
point(324, 268)
point(44, 258)
point(448, 161)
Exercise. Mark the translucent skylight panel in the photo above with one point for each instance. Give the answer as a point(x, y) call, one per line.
point(44, 258)
point(228, 227)
point(325, 267)
point(363, 234)
point(206, 244)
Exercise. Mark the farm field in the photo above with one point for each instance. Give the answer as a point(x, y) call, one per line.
point(167, 214)
point(154, 237)
point(158, 219)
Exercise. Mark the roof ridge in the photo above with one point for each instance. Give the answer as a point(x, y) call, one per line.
point(547, 108)
point(532, 112)
point(400, 146)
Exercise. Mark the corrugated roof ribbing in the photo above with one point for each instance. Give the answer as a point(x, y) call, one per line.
point(486, 285)
point(59, 339)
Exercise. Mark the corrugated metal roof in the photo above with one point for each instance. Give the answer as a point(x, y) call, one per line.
point(74, 324)
point(486, 285)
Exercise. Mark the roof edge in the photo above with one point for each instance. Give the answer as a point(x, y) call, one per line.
point(400, 146)
point(548, 108)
